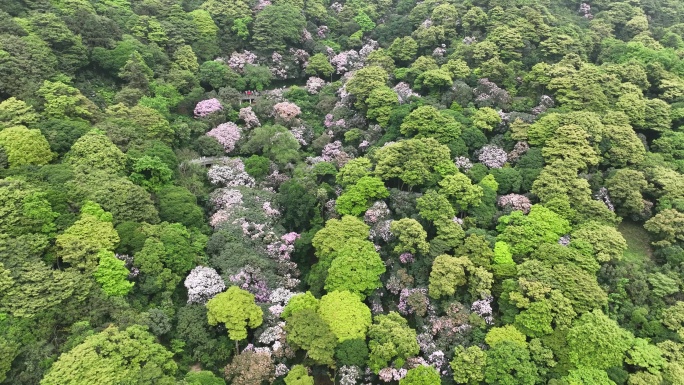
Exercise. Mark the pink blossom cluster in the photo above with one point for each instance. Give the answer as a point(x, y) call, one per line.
point(391, 374)
point(463, 163)
point(602, 195)
point(306, 36)
point(207, 107)
point(230, 173)
point(376, 306)
point(280, 69)
point(585, 10)
point(337, 7)
point(363, 146)
point(404, 307)
point(519, 150)
point(487, 93)
point(468, 40)
point(227, 134)
point(545, 102)
point(406, 258)
point(270, 211)
point(404, 92)
point(128, 263)
point(349, 375)
point(314, 84)
point(564, 240)
point(346, 61)
point(376, 212)
point(439, 51)
point(427, 23)
point(203, 283)
point(329, 122)
point(290, 238)
point(251, 279)
point(457, 220)
point(281, 370)
point(331, 151)
point(261, 4)
point(367, 48)
point(252, 230)
point(515, 202)
point(225, 201)
point(426, 341)
point(483, 308)
point(286, 110)
point(381, 230)
point(249, 117)
point(321, 31)
point(301, 57)
point(275, 178)
point(437, 360)
point(238, 60)
point(492, 156)
point(300, 133)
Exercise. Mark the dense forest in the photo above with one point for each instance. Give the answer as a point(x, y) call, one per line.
point(307, 192)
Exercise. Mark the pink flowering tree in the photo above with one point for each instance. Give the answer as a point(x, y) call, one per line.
point(227, 134)
point(404, 92)
point(286, 111)
point(515, 202)
point(493, 156)
point(238, 61)
point(314, 84)
point(249, 117)
point(207, 107)
point(230, 173)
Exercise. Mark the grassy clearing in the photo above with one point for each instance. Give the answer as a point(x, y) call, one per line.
point(638, 242)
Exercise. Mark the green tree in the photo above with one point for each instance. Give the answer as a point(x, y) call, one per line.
point(421, 375)
point(63, 101)
point(345, 314)
point(236, 309)
point(411, 236)
point(392, 341)
point(414, 161)
point(25, 147)
point(447, 274)
point(486, 119)
point(435, 80)
point(666, 227)
point(356, 268)
point(510, 364)
point(178, 205)
point(274, 142)
point(428, 122)
point(15, 112)
point(625, 187)
point(381, 102)
point(596, 341)
point(364, 21)
point(80, 244)
point(94, 151)
point(319, 65)
point(403, 49)
point(300, 302)
point(364, 82)
point(308, 331)
point(298, 375)
point(607, 242)
point(114, 356)
point(468, 365)
point(357, 198)
point(525, 232)
point(136, 72)
point(434, 206)
point(112, 275)
point(151, 173)
point(277, 26)
point(460, 191)
point(203, 377)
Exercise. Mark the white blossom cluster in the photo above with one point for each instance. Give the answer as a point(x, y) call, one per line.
point(203, 283)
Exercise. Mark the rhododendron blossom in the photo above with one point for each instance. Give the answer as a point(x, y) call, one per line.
point(314, 84)
point(227, 134)
point(207, 107)
point(230, 173)
point(493, 156)
point(249, 117)
point(515, 202)
point(404, 92)
point(286, 110)
point(238, 60)
point(203, 283)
